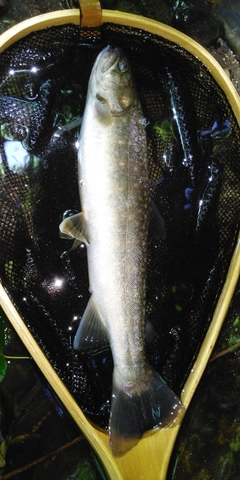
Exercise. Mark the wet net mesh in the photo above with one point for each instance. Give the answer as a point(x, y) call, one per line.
point(193, 144)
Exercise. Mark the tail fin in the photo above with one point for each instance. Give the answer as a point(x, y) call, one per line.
point(138, 408)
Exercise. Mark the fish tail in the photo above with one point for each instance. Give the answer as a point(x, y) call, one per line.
point(139, 407)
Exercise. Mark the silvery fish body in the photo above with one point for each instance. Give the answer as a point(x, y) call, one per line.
point(114, 193)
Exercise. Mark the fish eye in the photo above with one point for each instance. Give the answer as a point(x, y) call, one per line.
point(123, 66)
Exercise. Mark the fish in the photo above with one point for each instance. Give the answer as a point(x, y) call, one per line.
point(114, 223)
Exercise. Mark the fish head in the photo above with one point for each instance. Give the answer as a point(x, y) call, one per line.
point(111, 81)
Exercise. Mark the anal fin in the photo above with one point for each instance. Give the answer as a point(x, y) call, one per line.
point(91, 334)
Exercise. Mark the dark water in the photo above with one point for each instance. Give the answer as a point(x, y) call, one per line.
point(208, 443)
point(38, 438)
point(193, 140)
point(193, 143)
point(206, 22)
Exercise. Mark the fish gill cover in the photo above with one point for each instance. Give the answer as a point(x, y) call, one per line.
point(193, 153)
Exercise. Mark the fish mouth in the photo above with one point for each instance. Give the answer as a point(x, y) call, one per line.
point(109, 57)
point(113, 80)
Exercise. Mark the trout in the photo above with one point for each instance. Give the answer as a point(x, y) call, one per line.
point(115, 201)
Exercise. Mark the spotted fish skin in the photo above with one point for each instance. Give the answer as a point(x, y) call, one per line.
point(114, 193)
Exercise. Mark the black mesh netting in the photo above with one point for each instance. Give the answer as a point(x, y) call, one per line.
point(193, 140)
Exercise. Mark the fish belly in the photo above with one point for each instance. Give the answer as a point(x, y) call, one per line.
point(116, 202)
point(114, 191)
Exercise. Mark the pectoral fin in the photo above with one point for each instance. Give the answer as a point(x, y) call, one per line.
point(91, 333)
point(75, 227)
point(103, 111)
point(157, 223)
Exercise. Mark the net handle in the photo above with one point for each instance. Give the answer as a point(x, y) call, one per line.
point(90, 13)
